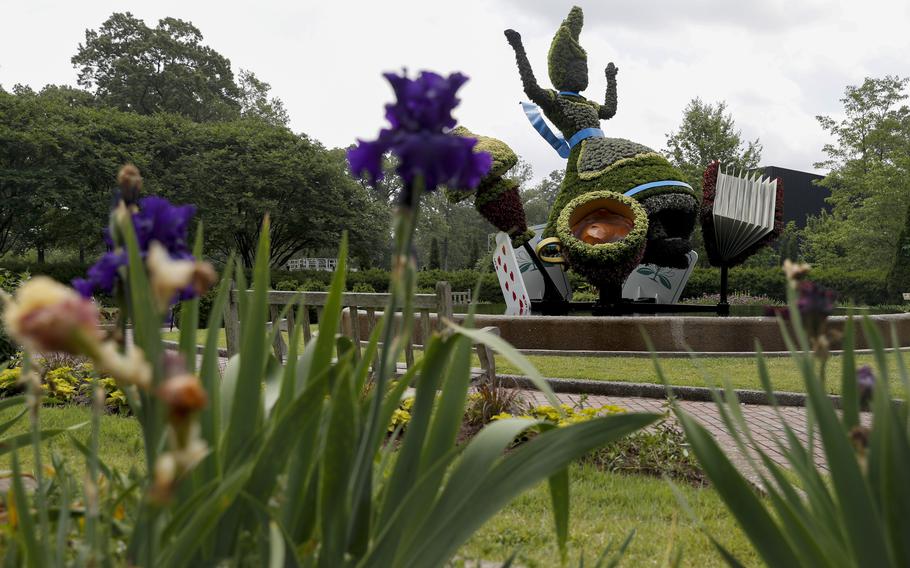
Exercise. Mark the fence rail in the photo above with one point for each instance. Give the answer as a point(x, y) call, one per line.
point(327, 264)
point(462, 298)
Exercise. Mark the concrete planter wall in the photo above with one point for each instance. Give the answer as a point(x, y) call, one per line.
point(668, 333)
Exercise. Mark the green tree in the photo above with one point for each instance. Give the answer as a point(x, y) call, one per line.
point(167, 68)
point(306, 189)
point(434, 262)
point(57, 162)
point(708, 133)
point(255, 101)
point(788, 243)
point(869, 178)
point(899, 275)
point(539, 199)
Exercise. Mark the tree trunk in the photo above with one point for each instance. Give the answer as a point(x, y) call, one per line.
point(40, 255)
point(81, 255)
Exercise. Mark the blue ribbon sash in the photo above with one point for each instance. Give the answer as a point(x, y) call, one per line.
point(535, 117)
point(653, 184)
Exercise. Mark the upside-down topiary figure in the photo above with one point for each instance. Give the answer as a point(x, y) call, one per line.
point(497, 198)
point(602, 168)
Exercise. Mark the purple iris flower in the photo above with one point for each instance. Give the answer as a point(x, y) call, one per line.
point(102, 275)
point(419, 119)
point(156, 220)
point(815, 303)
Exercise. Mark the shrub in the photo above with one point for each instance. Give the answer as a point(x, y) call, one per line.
point(860, 288)
point(9, 282)
point(64, 272)
point(206, 301)
point(364, 287)
point(65, 380)
point(489, 400)
point(662, 451)
point(312, 286)
point(287, 285)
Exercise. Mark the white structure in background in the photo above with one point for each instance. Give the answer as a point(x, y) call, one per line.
point(326, 264)
point(663, 284)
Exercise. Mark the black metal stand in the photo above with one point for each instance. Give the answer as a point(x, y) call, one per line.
point(611, 302)
point(553, 304)
point(723, 307)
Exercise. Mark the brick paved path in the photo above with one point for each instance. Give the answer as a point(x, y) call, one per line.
point(763, 421)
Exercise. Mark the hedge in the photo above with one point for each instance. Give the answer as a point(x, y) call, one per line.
point(61, 271)
point(866, 287)
point(378, 280)
point(861, 288)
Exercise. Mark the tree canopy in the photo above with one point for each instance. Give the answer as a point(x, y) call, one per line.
point(707, 133)
point(133, 67)
point(869, 178)
point(58, 161)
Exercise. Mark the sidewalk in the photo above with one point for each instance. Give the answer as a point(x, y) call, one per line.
point(763, 421)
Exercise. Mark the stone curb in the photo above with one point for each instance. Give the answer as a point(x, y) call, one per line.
point(200, 349)
point(650, 390)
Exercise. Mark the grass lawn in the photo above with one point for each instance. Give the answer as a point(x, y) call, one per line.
point(741, 372)
point(121, 438)
point(604, 507)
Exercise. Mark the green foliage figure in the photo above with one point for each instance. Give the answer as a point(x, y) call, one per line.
point(601, 164)
point(497, 197)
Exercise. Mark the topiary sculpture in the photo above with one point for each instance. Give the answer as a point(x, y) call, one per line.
point(496, 197)
point(600, 170)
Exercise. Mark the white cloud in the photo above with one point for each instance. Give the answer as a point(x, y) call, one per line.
point(777, 63)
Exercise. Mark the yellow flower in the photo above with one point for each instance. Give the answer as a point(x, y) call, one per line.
point(48, 316)
point(168, 275)
point(407, 403)
point(795, 271)
point(130, 368)
point(399, 418)
point(502, 416)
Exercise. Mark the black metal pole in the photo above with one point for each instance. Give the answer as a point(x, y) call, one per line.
point(552, 301)
point(723, 308)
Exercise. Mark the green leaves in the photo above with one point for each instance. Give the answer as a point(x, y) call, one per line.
point(301, 467)
point(856, 512)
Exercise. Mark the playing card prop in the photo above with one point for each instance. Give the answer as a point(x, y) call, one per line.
point(511, 283)
point(739, 214)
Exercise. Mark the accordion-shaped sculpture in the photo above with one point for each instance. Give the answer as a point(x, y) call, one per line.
point(739, 214)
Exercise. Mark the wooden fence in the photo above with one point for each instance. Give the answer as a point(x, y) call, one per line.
point(327, 264)
point(462, 298)
point(361, 313)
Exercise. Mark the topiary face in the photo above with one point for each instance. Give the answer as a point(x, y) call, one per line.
point(567, 61)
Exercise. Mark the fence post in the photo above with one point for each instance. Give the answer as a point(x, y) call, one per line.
point(444, 307)
point(231, 322)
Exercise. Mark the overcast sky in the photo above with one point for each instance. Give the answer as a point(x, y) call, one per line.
point(777, 63)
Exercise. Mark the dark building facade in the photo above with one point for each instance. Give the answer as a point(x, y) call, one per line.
point(802, 197)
